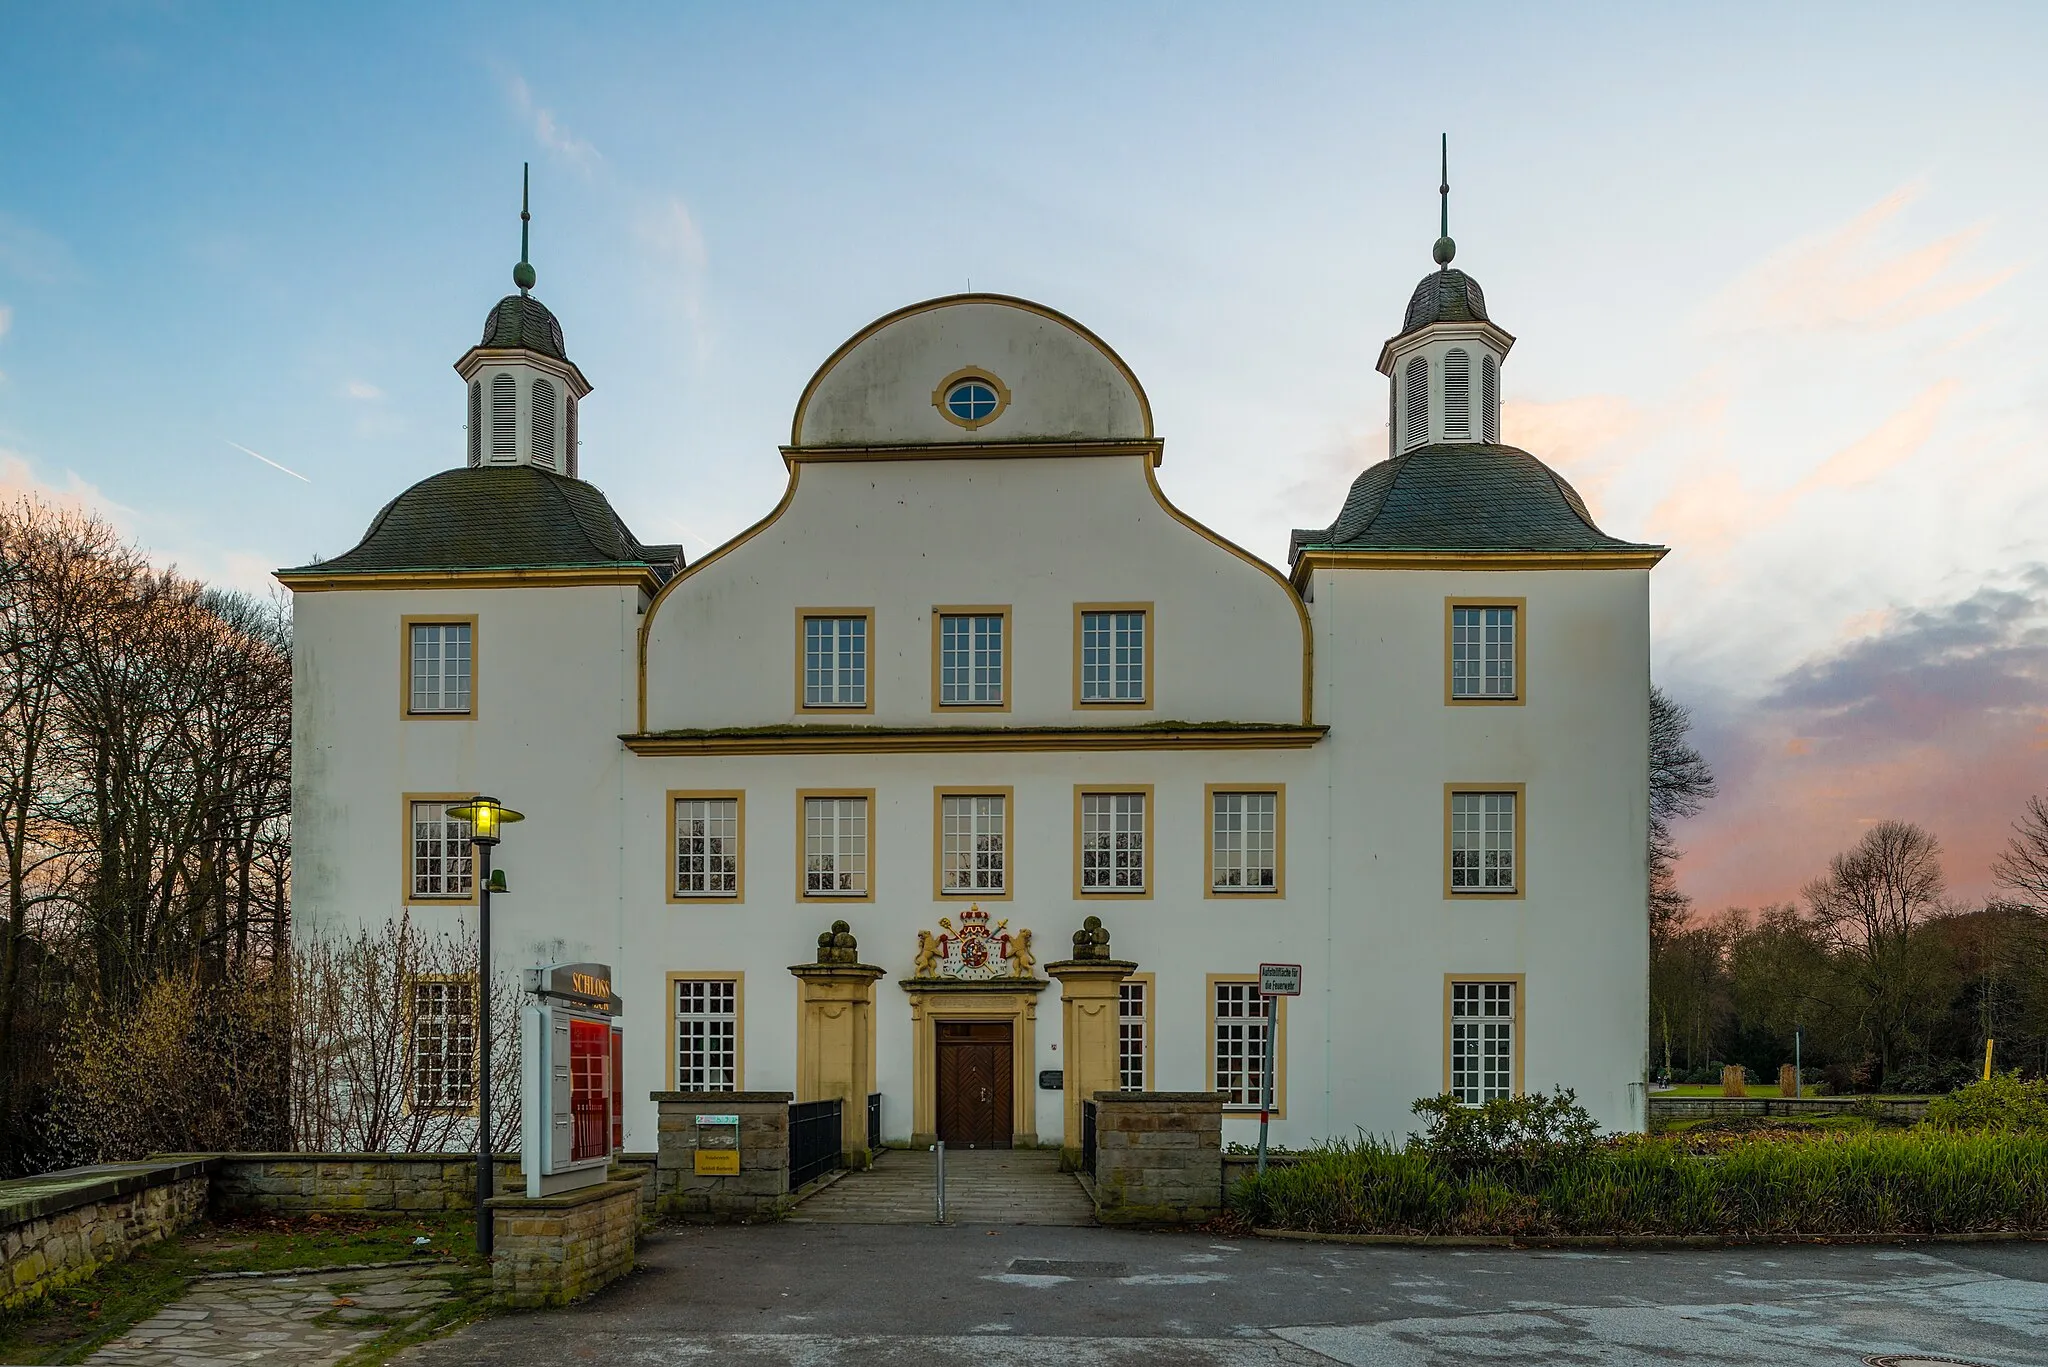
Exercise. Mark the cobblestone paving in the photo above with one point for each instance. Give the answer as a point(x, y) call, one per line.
point(307, 1319)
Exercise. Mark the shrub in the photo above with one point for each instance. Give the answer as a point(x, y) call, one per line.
point(2004, 1104)
point(1917, 1182)
point(1517, 1139)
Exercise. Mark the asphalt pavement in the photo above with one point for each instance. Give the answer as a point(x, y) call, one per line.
point(910, 1296)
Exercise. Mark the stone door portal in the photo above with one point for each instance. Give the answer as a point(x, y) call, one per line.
point(974, 1083)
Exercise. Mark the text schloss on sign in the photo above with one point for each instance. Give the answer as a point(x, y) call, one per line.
point(1280, 980)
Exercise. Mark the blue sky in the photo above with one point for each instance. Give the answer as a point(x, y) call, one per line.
point(1774, 271)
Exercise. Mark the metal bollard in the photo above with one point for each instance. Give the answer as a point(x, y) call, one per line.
point(940, 1186)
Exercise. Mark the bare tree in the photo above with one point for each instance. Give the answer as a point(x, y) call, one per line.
point(1871, 909)
point(355, 1050)
point(2022, 869)
point(1681, 782)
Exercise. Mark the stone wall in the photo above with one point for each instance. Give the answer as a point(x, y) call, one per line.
point(330, 1183)
point(551, 1250)
point(63, 1227)
point(1718, 1107)
point(759, 1189)
point(1158, 1157)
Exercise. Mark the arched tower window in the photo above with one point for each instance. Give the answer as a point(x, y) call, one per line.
point(1457, 395)
point(1417, 375)
point(571, 453)
point(476, 422)
point(504, 419)
point(1489, 398)
point(543, 428)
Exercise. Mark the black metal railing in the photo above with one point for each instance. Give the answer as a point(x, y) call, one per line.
point(874, 1121)
point(814, 1132)
point(1088, 1137)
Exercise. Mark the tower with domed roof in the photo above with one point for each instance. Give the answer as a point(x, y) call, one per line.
point(523, 388)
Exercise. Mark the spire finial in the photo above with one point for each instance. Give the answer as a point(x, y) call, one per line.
point(1445, 249)
point(522, 274)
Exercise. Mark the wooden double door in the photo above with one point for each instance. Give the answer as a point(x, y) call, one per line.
point(975, 1084)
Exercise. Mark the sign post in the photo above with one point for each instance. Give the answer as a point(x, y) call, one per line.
point(1275, 981)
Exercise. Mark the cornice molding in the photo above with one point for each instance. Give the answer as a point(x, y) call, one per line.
point(539, 577)
point(968, 450)
point(1632, 558)
point(477, 357)
point(905, 740)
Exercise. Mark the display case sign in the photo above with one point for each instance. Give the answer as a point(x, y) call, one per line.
point(718, 1145)
point(588, 986)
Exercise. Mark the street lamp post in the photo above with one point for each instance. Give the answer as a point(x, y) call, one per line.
point(486, 817)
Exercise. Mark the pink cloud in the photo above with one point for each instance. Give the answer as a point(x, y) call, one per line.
point(1935, 715)
point(1847, 278)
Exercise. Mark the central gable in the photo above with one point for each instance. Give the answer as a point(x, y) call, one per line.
point(971, 369)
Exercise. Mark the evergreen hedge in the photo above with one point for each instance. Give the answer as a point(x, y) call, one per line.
point(1926, 1180)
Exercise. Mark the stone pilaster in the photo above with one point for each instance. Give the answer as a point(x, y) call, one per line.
point(835, 1046)
point(1088, 1032)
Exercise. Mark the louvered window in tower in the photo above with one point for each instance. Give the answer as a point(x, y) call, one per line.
point(476, 422)
point(1457, 395)
point(543, 424)
point(504, 419)
point(570, 462)
point(1417, 375)
point(1489, 399)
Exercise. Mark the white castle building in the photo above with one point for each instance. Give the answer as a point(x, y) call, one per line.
point(975, 679)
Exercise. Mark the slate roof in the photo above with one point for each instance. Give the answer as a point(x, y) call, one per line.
point(498, 517)
point(1461, 496)
point(520, 320)
point(1445, 296)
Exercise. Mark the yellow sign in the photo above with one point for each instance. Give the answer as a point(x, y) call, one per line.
point(718, 1162)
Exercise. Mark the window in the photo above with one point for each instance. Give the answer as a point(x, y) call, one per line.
point(543, 429)
point(441, 858)
point(1237, 1015)
point(1110, 655)
point(1457, 395)
point(836, 845)
point(1489, 398)
point(974, 844)
point(443, 1044)
point(476, 422)
point(1133, 1033)
point(440, 667)
point(1485, 833)
point(1485, 650)
point(504, 419)
point(835, 661)
point(1114, 834)
point(706, 839)
point(1244, 841)
point(707, 1017)
point(1481, 1064)
point(1416, 374)
point(970, 657)
point(970, 399)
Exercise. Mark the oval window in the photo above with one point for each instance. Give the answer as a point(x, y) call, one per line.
point(971, 401)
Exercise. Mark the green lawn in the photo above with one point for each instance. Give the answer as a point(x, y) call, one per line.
point(68, 1325)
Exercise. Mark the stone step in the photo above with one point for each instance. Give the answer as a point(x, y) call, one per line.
point(983, 1186)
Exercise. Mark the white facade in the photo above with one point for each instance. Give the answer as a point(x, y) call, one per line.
point(599, 696)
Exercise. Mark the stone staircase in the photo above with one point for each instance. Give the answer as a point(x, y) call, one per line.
point(983, 1187)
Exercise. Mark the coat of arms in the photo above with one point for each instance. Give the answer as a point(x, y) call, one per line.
point(975, 951)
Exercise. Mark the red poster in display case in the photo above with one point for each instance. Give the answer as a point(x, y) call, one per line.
point(590, 1088)
point(618, 1089)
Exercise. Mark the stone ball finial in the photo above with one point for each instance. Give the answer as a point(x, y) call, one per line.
point(837, 945)
point(1091, 941)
